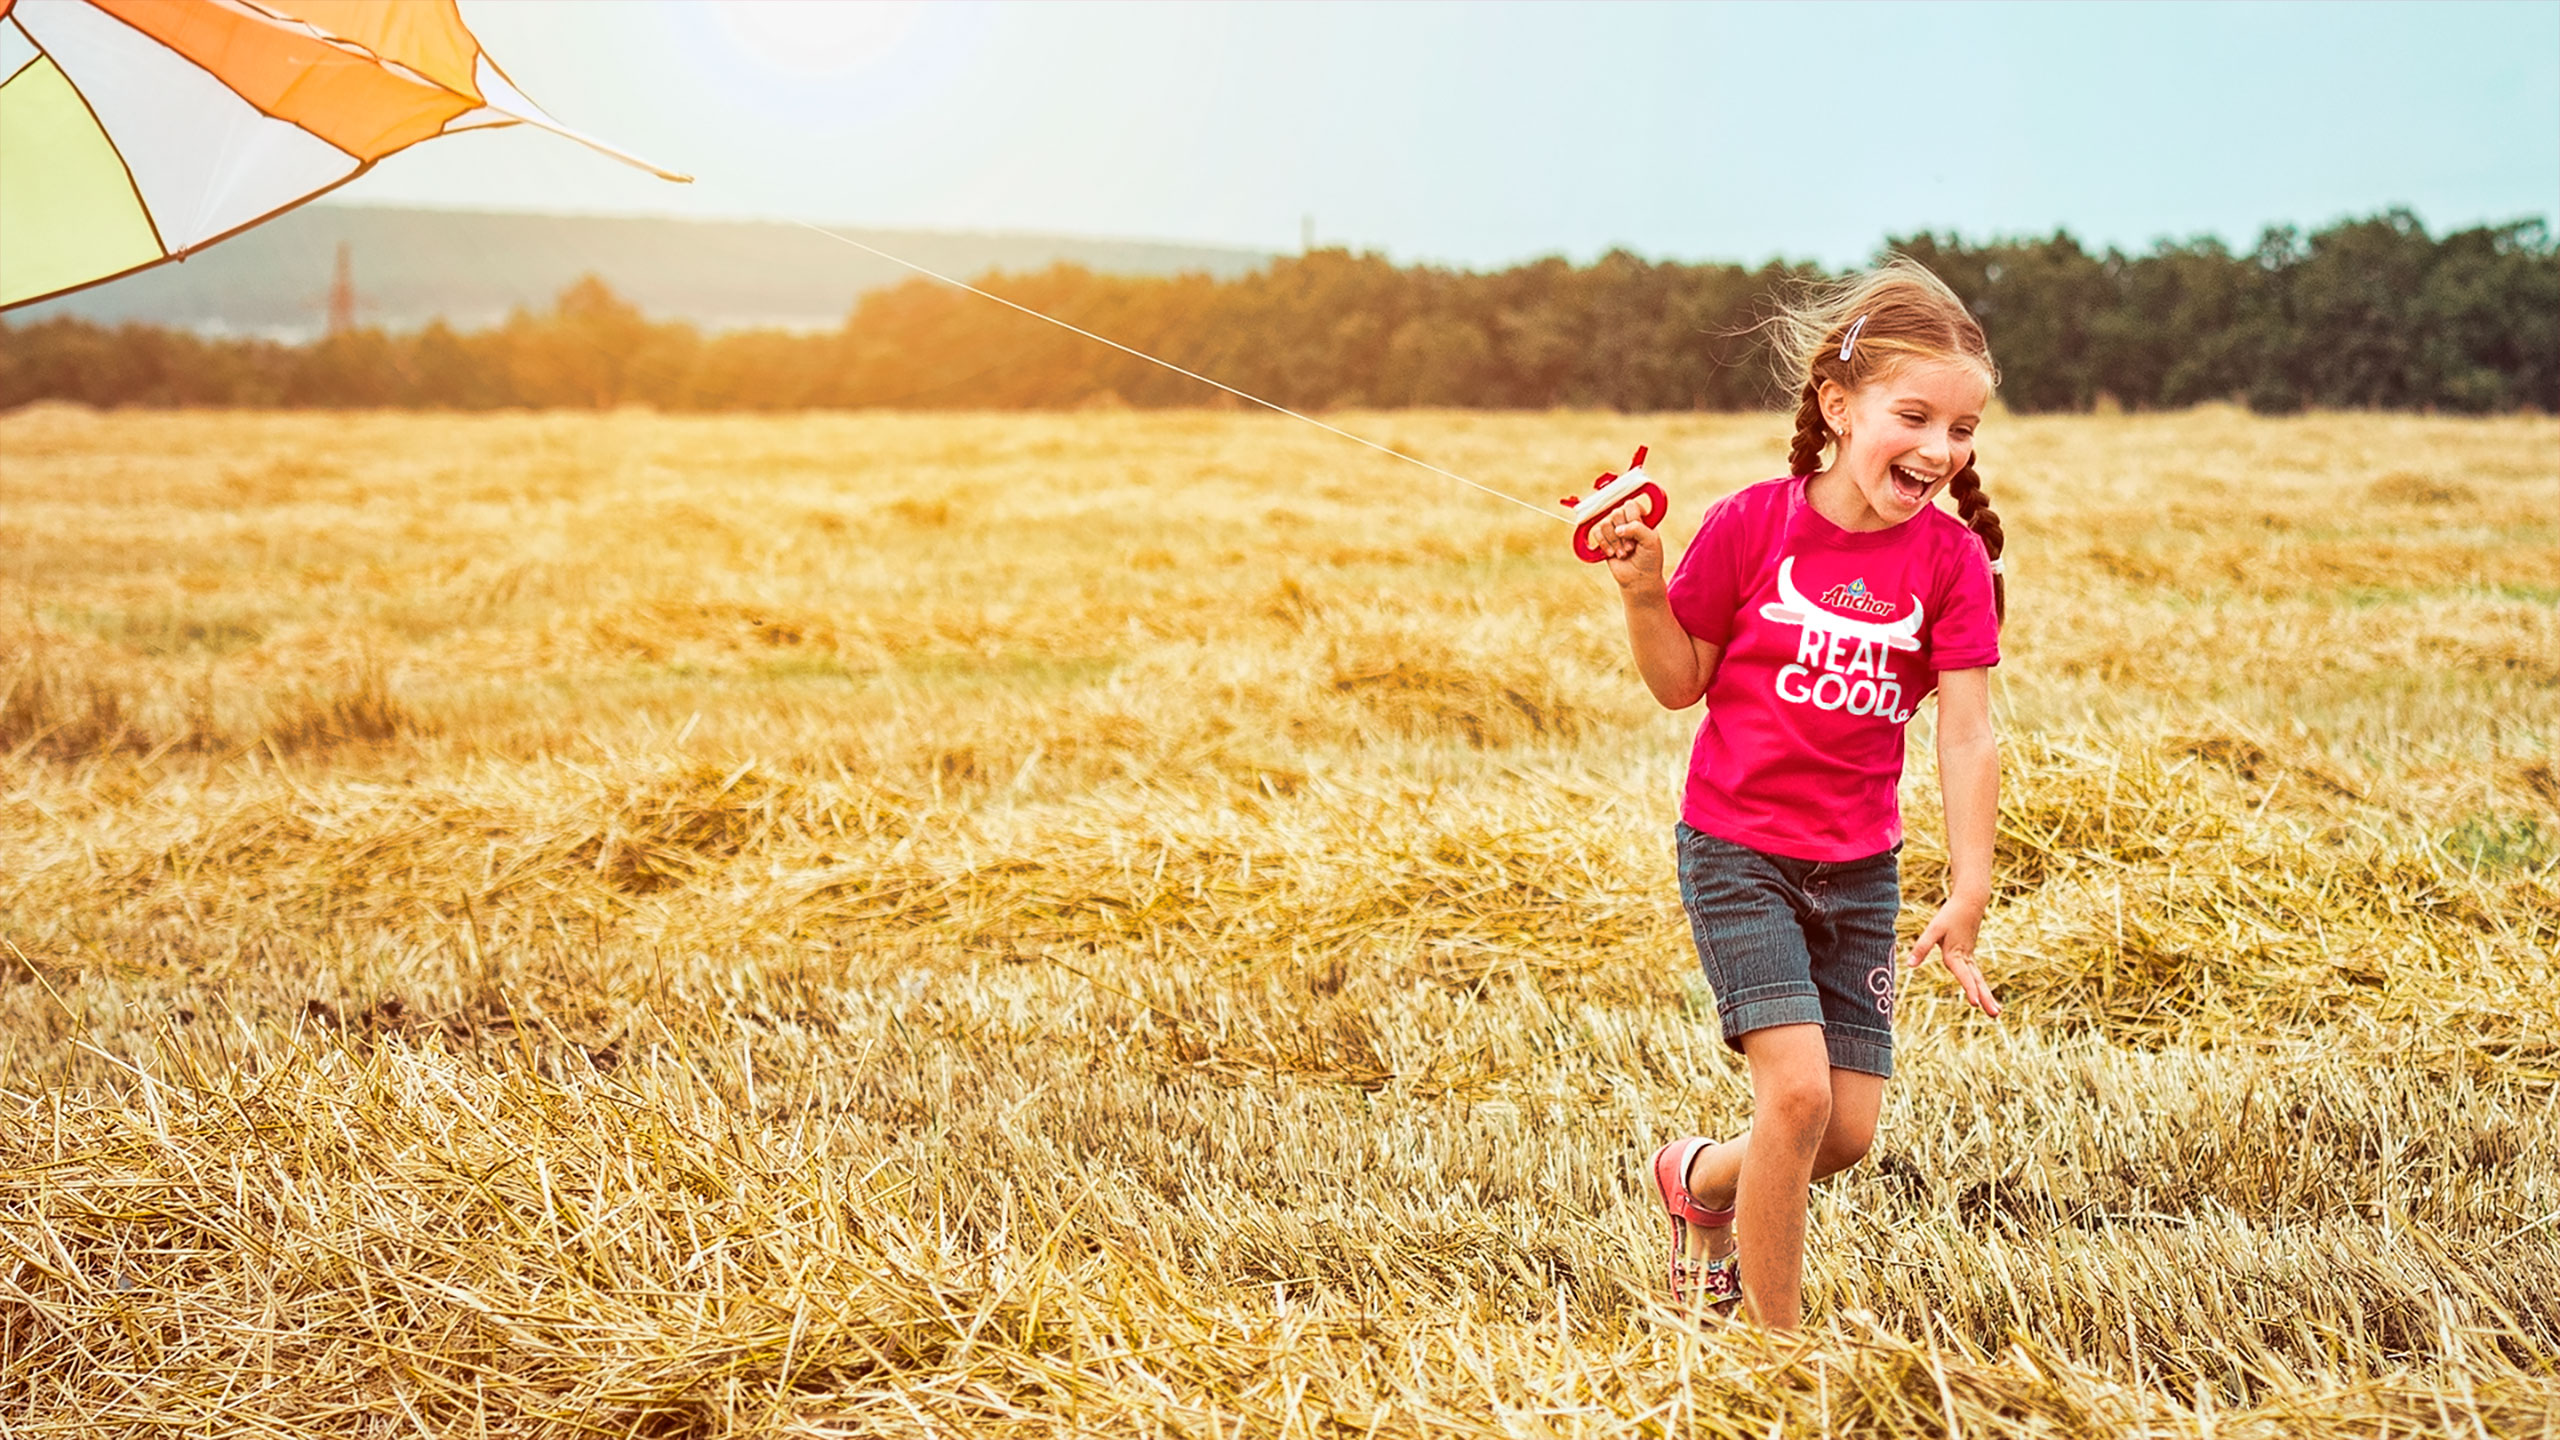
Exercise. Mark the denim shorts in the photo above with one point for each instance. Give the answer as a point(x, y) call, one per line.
point(1796, 942)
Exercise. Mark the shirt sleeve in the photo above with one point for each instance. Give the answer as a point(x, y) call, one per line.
point(1967, 633)
point(1706, 588)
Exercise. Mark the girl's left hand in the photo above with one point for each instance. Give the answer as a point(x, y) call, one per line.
point(1952, 933)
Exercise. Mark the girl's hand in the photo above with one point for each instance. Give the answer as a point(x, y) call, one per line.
point(1953, 932)
point(1633, 548)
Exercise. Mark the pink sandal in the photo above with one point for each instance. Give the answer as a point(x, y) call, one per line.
point(1718, 1281)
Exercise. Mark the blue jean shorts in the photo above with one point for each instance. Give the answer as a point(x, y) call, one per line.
point(1796, 942)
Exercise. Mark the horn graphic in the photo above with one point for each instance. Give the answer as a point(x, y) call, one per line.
point(1791, 608)
point(1787, 590)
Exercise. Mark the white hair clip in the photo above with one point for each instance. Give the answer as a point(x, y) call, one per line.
point(1849, 341)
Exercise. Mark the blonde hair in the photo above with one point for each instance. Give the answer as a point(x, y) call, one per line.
point(1883, 319)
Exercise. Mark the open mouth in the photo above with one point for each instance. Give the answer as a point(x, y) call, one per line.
point(1910, 484)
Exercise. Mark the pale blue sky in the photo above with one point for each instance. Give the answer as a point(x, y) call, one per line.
point(1484, 134)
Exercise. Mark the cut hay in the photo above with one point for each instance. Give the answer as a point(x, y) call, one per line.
point(565, 972)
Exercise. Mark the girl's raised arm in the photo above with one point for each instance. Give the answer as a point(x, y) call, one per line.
point(1969, 782)
point(1675, 664)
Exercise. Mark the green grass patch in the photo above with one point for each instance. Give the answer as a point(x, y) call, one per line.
point(1012, 671)
point(2493, 842)
point(2368, 597)
point(170, 632)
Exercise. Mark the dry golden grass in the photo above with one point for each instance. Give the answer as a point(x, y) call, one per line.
point(1162, 924)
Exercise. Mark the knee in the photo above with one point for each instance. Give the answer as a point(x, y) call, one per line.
point(1797, 1106)
point(1844, 1144)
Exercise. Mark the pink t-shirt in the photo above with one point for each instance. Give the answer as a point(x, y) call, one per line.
point(1830, 639)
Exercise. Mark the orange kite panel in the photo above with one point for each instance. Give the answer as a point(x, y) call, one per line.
point(425, 35)
point(342, 97)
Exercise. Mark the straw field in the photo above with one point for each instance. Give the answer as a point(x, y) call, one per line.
point(1163, 924)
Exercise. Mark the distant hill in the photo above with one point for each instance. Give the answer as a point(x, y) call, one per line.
point(469, 268)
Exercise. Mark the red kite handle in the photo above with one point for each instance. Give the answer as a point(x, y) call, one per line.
point(1615, 492)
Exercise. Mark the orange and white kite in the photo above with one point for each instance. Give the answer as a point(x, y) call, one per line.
point(138, 131)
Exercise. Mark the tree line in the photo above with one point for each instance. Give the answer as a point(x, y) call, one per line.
point(2366, 313)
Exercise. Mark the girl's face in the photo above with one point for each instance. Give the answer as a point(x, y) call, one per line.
point(1909, 431)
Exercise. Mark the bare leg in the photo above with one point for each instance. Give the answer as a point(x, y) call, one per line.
point(1790, 1111)
point(1717, 1175)
point(1856, 1097)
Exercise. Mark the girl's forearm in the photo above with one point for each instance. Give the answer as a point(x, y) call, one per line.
point(1969, 780)
point(1675, 666)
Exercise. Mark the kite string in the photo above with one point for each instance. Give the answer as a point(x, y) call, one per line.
point(1533, 509)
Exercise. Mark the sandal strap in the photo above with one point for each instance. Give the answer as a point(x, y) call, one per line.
point(1671, 1179)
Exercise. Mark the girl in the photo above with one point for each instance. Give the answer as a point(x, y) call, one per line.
point(1812, 613)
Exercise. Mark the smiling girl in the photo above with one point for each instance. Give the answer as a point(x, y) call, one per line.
point(1812, 613)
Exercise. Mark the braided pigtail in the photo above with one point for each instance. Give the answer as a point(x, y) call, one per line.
point(1804, 456)
point(1976, 512)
